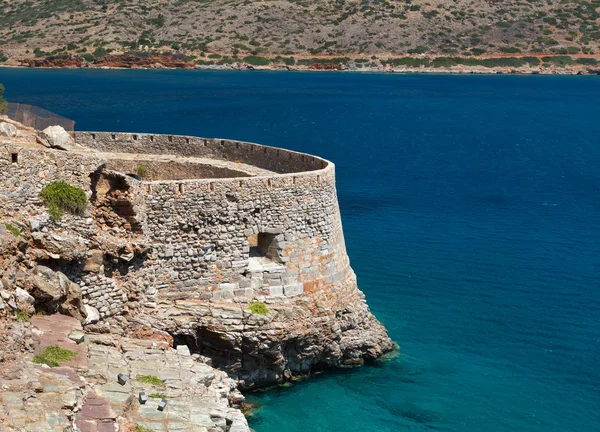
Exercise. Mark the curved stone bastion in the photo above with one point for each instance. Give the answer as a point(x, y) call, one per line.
point(185, 235)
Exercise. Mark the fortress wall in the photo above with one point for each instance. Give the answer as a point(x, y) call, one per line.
point(269, 158)
point(201, 233)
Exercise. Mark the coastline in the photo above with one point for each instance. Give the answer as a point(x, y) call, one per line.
point(497, 64)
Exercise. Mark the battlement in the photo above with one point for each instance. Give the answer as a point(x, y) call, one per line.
point(276, 160)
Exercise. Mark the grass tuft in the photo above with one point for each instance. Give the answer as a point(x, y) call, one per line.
point(150, 379)
point(22, 316)
point(12, 229)
point(258, 308)
point(60, 196)
point(140, 428)
point(158, 396)
point(54, 355)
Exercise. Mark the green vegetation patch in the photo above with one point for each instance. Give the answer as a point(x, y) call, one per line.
point(258, 308)
point(54, 355)
point(158, 396)
point(140, 428)
point(22, 316)
point(150, 379)
point(256, 60)
point(559, 61)
point(142, 171)
point(60, 196)
point(12, 229)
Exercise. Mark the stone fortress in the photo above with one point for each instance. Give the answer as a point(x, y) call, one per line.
point(181, 234)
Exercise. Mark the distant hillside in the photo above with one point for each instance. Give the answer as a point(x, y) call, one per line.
point(90, 29)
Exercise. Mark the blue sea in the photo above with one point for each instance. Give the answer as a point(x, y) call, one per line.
point(471, 209)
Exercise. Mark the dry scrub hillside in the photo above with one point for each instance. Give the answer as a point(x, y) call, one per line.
point(93, 28)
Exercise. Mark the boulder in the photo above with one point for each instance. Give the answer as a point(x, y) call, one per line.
point(56, 293)
point(23, 296)
point(93, 316)
point(57, 137)
point(7, 130)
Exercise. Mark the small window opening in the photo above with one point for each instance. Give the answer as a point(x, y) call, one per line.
point(135, 137)
point(187, 140)
point(152, 138)
point(262, 245)
point(114, 137)
point(94, 136)
point(15, 157)
point(170, 138)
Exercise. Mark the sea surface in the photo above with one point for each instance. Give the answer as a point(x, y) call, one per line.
point(471, 210)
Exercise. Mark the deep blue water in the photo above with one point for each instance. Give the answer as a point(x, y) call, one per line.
point(471, 208)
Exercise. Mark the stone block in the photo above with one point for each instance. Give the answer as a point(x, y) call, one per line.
point(122, 379)
point(276, 291)
point(162, 405)
point(293, 289)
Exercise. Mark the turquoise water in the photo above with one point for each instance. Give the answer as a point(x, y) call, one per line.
point(471, 207)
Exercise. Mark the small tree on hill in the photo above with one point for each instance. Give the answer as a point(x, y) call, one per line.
point(2, 101)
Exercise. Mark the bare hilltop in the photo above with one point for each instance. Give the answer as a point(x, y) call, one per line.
point(320, 34)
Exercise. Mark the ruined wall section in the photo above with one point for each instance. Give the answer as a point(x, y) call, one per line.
point(24, 171)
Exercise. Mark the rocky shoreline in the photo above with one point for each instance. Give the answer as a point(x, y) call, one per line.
point(539, 64)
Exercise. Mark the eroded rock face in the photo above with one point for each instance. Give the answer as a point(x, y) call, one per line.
point(295, 338)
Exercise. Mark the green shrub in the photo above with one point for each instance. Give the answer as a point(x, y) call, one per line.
point(158, 396)
point(586, 61)
point(150, 379)
point(60, 196)
point(510, 50)
point(54, 355)
point(3, 103)
point(421, 49)
point(258, 308)
point(12, 229)
point(256, 60)
point(142, 171)
point(22, 316)
point(559, 61)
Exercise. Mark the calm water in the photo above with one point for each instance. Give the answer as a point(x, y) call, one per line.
point(471, 207)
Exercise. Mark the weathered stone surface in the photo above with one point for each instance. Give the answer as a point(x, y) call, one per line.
point(93, 316)
point(57, 293)
point(7, 130)
point(58, 137)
